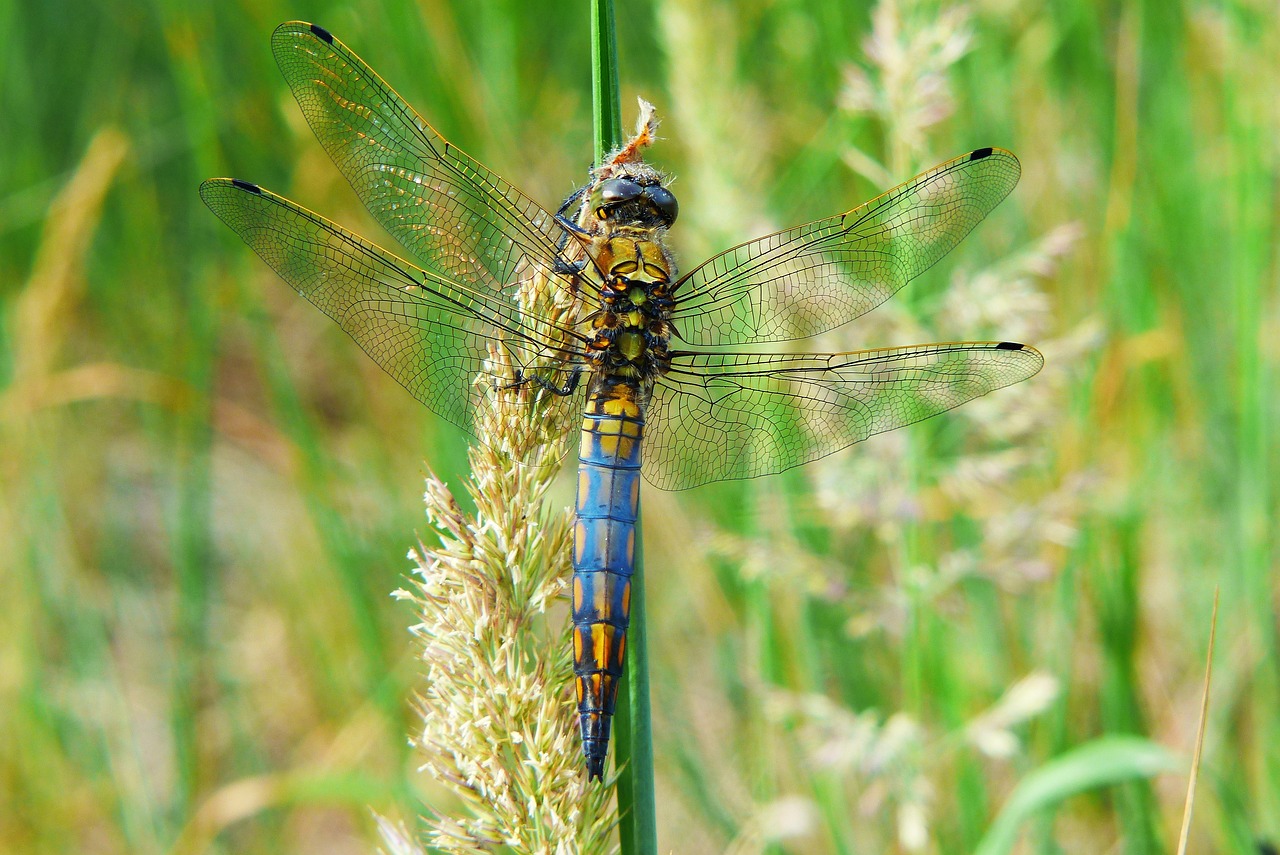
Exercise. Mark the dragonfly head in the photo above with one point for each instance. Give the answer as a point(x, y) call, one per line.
point(633, 195)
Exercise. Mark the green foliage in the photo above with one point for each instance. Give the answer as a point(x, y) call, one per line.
point(1104, 762)
point(206, 491)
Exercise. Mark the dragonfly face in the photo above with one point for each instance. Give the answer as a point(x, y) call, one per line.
point(637, 199)
point(657, 401)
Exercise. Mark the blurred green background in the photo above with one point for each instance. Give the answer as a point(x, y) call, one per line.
point(207, 491)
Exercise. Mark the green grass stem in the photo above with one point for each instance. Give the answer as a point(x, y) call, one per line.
point(633, 740)
point(606, 108)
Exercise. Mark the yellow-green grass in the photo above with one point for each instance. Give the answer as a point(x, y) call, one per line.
point(207, 491)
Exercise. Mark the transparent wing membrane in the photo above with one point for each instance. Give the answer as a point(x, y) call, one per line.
point(811, 278)
point(722, 416)
point(430, 333)
point(495, 303)
point(454, 215)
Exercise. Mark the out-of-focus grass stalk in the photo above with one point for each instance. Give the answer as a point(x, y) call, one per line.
point(1251, 269)
point(1118, 606)
point(906, 87)
point(633, 726)
point(845, 753)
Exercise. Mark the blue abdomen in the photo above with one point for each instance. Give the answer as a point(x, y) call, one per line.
point(604, 542)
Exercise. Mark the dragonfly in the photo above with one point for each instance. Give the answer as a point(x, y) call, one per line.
point(663, 365)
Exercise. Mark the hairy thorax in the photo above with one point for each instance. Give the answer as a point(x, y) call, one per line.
point(626, 213)
point(631, 326)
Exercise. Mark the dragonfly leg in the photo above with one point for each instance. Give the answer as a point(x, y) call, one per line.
point(572, 227)
point(575, 198)
point(568, 268)
point(567, 389)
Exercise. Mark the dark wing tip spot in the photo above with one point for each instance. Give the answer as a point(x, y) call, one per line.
point(980, 153)
point(326, 36)
point(245, 185)
point(1009, 345)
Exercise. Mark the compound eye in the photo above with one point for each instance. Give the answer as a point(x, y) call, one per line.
point(617, 190)
point(662, 199)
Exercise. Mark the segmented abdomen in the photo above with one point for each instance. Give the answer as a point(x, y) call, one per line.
point(604, 541)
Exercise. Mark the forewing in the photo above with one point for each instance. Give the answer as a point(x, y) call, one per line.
point(812, 278)
point(722, 416)
point(431, 334)
point(449, 211)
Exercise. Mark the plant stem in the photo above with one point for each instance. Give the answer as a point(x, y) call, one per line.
point(638, 823)
point(606, 110)
point(633, 739)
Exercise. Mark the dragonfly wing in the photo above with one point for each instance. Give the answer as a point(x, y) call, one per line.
point(812, 278)
point(428, 332)
point(453, 214)
point(722, 416)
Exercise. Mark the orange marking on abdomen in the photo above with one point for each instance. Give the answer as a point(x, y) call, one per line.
point(601, 641)
point(600, 602)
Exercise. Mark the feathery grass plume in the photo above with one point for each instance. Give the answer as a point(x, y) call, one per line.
point(893, 760)
point(995, 479)
point(995, 482)
point(904, 85)
point(722, 129)
point(498, 722)
point(886, 767)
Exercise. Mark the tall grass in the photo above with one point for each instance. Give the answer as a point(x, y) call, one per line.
point(205, 489)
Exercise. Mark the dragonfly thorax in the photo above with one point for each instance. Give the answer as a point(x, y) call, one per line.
point(631, 327)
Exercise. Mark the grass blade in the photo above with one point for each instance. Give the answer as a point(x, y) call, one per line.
point(1104, 762)
point(1194, 777)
